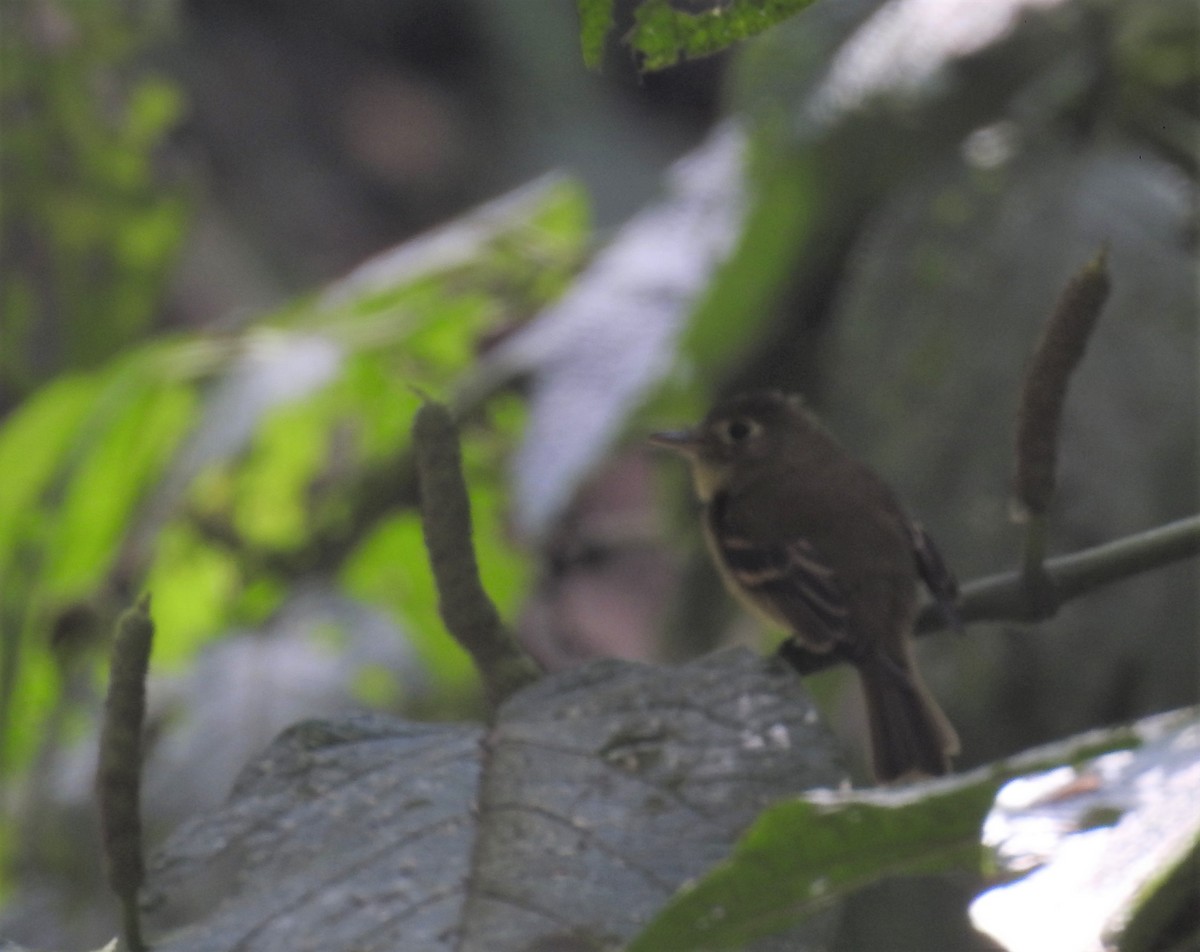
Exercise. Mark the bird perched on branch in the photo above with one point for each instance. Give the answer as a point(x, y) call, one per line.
point(812, 541)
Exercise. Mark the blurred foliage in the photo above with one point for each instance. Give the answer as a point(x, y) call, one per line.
point(741, 299)
point(219, 471)
point(87, 228)
point(1156, 73)
point(664, 35)
point(595, 23)
point(113, 483)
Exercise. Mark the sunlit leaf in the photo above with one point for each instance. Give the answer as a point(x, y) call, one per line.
point(251, 479)
point(272, 483)
point(193, 586)
point(34, 697)
point(595, 23)
point(802, 855)
point(391, 568)
point(154, 105)
point(141, 428)
point(663, 35)
point(504, 573)
point(373, 382)
point(1102, 854)
point(33, 441)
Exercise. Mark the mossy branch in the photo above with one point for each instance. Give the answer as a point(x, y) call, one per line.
point(468, 613)
point(118, 774)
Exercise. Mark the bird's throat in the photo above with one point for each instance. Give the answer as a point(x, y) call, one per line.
point(709, 479)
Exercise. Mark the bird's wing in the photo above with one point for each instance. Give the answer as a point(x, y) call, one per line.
point(933, 571)
point(789, 582)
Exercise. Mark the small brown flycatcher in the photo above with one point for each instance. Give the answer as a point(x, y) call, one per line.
point(812, 541)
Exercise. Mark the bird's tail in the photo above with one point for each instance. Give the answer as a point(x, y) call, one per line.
point(910, 736)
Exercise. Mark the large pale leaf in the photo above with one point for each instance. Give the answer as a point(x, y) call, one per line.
point(594, 797)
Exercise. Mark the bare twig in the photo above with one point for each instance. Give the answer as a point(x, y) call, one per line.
point(1004, 597)
point(468, 613)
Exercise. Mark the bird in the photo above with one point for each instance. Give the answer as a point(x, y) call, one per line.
point(811, 540)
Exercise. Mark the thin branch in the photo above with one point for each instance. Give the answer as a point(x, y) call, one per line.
point(1005, 597)
point(468, 613)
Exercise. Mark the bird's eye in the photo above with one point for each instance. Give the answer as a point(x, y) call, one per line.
point(738, 430)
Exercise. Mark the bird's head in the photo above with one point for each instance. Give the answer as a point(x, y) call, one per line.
point(740, 433)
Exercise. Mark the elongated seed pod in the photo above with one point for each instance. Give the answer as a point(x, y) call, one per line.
point(1044, 390)
point(467, 611)
point(118, 774)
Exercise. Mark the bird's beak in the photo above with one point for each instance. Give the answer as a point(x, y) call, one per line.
point(686, 442)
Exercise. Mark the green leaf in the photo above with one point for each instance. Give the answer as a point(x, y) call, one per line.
point(271, 486)
point(662, 35)
point(33, 441)
point(595, 23)
point(505, 570)
point(80, 457)
point(802, 855)
point(97, 214)
point(154, 105)
point(33, 697)
point(136, 428)
point(378, 398)
point(193, 585)
point(391, 569)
